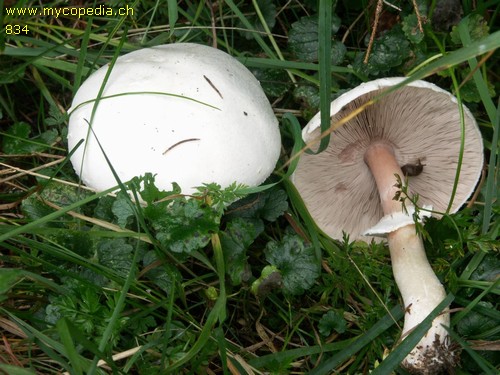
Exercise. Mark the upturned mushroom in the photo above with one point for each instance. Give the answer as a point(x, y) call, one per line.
point(352, 184)
point(188, 113)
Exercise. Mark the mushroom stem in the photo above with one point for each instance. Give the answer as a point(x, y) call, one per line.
point(419, 286)
point(382, 163)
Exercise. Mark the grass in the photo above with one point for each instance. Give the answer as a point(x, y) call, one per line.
point(88, 285)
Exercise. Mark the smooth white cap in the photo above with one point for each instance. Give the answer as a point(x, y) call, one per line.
point(189, 113)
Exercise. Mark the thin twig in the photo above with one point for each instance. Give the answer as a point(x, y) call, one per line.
point(101, 223)
point(378, 11)
point(419, 17)
point(117, 357)
point(30, 173)
point(25, 172)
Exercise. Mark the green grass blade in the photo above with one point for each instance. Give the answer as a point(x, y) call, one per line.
point(120, 304)
point(71, 352)
point(249, 26)
point(327, 366)
point(14, 370)
point(34, 224)
point(494, 116)
point(325, 74)
point(487, 367)
point(401, 351)
point(479, 47)
point(81, 71)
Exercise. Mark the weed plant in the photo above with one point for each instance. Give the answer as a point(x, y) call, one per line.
point(92, 283)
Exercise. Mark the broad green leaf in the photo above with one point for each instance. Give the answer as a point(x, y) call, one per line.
point(62, 195)
point(411, 30)
point(163, 275)
point(332, 321)
point(14, 140)
point(475, 323)
point(274, 82)
point(235, 240)
point(34, 208)
point(267, 205)
point(470, 92)
point(389, 50)
point(303, 40)
point(123, 210)
point(116, 254)
point(477, 25)
point(488, 269)
point(103, 209)
point(296, 262)
point(339, 51)
point(268, 10)
point(8, 278)
point(446, 14)
point(308, 97)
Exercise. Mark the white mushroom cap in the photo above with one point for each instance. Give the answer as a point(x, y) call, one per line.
point(202, 117)
point(420, 121)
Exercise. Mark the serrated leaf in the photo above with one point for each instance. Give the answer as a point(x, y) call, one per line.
point(148, 190)
point(477, 26)
point(220, 198)
point(296, 262)
point(235, 240)
point(17, 140)
point(50, 136)
point(141, 325)
point(10, 73)
point(56, 117)
point(332, 321)
point(186, 225)
point(411, 29)
point(303, 39)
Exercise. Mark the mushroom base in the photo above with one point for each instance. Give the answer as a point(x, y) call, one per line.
point(432, 357)
point(422, 292)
